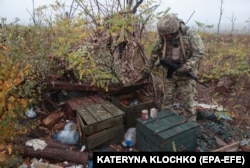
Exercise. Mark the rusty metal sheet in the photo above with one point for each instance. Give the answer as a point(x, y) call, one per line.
point(83, 101)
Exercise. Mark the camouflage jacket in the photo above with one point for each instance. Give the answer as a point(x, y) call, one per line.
point(193, 45)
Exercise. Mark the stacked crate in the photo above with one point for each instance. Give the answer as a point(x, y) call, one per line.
point(101, 122)
point(132, 104)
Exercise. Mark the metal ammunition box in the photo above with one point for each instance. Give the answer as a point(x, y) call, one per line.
point(167, 132)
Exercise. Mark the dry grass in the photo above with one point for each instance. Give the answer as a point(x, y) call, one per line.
point(227, 56)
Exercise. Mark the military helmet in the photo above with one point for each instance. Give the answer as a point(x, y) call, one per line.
point(168, 24)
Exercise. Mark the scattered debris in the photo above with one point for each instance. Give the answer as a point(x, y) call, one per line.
point(54, 151)
point(129, 137)
point(209, 106)
point(30, 113)
point(39, 164)
point(245, 145)
point(36, 144)
point(225, 82)
point(92, 115)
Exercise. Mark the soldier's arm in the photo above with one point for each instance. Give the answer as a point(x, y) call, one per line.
point(198, 50)
point(157, 51)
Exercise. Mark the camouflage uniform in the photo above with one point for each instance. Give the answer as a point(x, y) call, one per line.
point(194, 50)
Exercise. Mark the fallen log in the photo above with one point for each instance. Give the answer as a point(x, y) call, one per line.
point(53, 151)
point(112, 88)
point(55, 154)
point(61, 85)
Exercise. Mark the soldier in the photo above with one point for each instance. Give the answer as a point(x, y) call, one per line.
point(181, 45)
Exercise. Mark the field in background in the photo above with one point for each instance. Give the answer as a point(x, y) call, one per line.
point(227, 69)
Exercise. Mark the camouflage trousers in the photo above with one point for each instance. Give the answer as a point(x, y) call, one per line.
point(187, 90)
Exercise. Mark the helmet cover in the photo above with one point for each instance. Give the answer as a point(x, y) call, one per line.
point(168, 24)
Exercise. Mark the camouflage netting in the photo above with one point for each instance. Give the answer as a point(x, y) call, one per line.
point(116, 56)
point(94, 62)
point(128, 62)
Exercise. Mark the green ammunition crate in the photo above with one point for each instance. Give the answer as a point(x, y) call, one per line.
point(97, 117)
point(101, 122)
point(108, 136)
point(167, 132)
point(132, 112)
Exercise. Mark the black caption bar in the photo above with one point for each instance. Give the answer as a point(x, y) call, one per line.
point(170, 159)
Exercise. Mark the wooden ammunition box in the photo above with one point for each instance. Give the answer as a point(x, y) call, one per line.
point(167, 132)
point(101, 122)
point(132, 104)
point(72, 104)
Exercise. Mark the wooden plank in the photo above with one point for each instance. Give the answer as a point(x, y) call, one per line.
point(219, 141)
point(105, 136)
point(234, 147)
point(52, 118)
point(86, 116)
point(112, 109)
point(130, 88)
point(83, 126)
point(94, 128)
point(97, 112)
point(62, 85)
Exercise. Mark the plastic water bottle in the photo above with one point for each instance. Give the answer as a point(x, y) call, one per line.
point(67, 137)
point(90, 160)
point(130, 137)
point(70, 126)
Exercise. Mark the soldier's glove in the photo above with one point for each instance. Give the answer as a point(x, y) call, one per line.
point(144, 76)
point(182, 71)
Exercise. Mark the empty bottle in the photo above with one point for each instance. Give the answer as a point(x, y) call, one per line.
point(67, 137)
point(90, 160)
point(130, 137)
point(70, 126)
